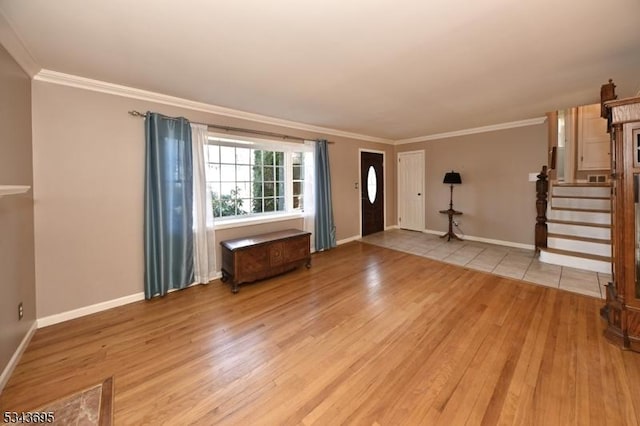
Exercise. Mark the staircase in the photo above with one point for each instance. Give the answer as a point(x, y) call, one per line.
point(579, 226)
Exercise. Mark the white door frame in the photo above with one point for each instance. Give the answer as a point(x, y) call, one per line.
point(424, 186)
point(384, 184)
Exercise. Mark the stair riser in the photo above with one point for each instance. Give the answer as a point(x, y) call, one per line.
point(579, 246)
point(575, 262)
point(579, 231)
point(581, 191)
point(580, 203)
point(589, 217)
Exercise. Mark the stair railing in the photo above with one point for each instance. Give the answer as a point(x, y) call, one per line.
point(542, 190)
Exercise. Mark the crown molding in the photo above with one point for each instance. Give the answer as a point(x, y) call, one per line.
point(70, 80)
point(474, 130)
point(11, 41)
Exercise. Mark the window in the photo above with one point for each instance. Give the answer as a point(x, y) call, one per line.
point(254, 180)
point(298, 179)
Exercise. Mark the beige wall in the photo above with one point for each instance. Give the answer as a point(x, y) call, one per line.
point(88, 170)
point(17, 276)
point(496, 198)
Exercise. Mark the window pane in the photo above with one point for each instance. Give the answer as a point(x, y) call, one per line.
point(267, 158)
point(280, 189)
point(246, 205)
point(280, 203)
point(227, 154)
point(268, 174)
point(296, 202)
point(372, 184)
point(257, 205)
point(257, 173)
point(244, 189)
point(226, 188)
point(213, 153)
point(227, 173)
point(226, 206)
point(280, 174)
point(212, 172)
point(297, 188)
point(297, 172)
point(243, 173)
point(269, 205)
point(227, 210)
point(279, 158)
point(216, 208)
point(296, 157)
point(257, 157)
point(257, 189)
point(240, 206)
point(268, 190)
point(243, 155)
point(214, 188)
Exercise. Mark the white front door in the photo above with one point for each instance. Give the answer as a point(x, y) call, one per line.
point(411, 190)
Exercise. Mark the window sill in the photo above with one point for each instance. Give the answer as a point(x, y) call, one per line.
point(235, 223)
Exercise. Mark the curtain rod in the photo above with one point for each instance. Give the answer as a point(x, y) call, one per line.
point(236, 129)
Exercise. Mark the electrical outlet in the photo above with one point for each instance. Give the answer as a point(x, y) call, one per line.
point(20, 311)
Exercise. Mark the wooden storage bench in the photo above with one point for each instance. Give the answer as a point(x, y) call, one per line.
point(261, 256)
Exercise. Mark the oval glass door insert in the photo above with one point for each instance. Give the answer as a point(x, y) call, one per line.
point(372, 184)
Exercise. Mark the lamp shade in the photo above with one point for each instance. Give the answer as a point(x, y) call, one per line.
point(452, 178)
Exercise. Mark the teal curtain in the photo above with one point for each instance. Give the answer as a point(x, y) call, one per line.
point(168, 205)
point(325, 229)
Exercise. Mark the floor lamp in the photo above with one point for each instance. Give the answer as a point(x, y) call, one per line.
point(451, 178)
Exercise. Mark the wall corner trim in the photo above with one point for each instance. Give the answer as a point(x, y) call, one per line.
point(54, 77)
point(10, 39)
point(474, 130)
point(13, 362)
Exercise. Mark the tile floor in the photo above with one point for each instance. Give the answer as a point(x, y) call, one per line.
point(519, 264)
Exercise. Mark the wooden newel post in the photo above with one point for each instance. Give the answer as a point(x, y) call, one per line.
point(542, 188)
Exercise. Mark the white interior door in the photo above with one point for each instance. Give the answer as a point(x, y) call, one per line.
point(593, 139)
point(411, 190)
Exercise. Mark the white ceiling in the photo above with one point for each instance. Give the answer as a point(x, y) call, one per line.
point(391, 69)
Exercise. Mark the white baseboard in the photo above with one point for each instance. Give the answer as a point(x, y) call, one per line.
point(88, 310)
point(348, 240)
point(487, 240)
point(99, 307)
point(391, 227)
point(13, 362)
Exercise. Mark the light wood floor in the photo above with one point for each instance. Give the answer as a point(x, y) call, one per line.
point(367, 336)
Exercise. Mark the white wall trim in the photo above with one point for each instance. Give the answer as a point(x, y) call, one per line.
point(348, 240)
point(103, 306)
point(55, 77)
point(10, 39)
point(13, 362)
point(487, 240)
point(391, 227)
point(474, 130)
point(88, 310)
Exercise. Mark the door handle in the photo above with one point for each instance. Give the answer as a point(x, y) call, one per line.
point(419, 193)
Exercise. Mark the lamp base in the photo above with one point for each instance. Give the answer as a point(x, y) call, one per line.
point(450, 234)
